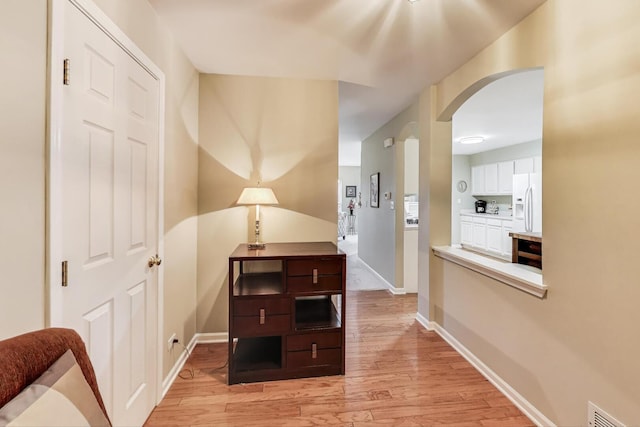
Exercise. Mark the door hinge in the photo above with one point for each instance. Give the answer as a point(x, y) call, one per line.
point(65, 71)
point(65, 274)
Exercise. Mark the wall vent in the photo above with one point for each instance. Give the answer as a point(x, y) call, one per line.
point(599, 418)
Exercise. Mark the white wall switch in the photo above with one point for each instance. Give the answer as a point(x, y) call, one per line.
point(392, 205)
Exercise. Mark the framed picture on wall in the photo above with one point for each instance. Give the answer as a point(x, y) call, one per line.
point(374, 195)
point(350, 191)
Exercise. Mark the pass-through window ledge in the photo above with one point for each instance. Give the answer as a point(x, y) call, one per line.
point(524, 278)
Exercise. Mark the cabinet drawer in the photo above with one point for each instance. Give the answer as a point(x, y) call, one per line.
point(251, 325)
point(322, 340)
point(252, 306)
point(478, 220)
point(493, 221)
point(323, 266)
point(301, 359)
point(305, 284)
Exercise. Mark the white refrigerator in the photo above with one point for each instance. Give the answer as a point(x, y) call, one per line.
point(527, 202)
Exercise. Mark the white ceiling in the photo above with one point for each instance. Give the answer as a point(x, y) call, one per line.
point(383, 52)
point(505, 112)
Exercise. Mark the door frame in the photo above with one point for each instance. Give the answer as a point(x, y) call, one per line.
point(53, 257)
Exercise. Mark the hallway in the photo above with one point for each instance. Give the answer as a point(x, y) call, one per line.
point(359, 276)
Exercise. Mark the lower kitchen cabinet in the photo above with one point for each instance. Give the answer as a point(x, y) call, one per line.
point(494, 238)
point(479, 233)
point(486, 234)
point(466, 231)
point(507, 241)
point(286, 312)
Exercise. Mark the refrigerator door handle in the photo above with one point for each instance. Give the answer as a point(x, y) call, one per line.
point(530, 209)
point(527, 210)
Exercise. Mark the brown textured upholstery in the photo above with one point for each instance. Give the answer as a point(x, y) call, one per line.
point(25, 357)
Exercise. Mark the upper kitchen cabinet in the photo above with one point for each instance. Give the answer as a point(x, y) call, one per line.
point(477, 180)
point(529, 165)
point(505, 177)
point(493, 179)
point(537, 164)
point(524, 165)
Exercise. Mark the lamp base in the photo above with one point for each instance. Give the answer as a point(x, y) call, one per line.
point(255, 246)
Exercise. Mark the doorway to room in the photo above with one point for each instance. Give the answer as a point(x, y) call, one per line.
point(359, 275)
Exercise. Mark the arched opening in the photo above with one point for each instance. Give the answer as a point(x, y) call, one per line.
point(490, 206)
point(497, 167)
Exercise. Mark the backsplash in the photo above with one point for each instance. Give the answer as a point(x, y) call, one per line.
point(503, 202)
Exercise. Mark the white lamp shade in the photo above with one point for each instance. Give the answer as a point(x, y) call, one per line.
point(257, 196)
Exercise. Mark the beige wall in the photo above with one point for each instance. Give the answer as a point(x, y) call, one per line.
point(23, 46)
point(282, 132)
point(581, 342)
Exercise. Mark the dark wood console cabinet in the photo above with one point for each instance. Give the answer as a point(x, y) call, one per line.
point(286, 311)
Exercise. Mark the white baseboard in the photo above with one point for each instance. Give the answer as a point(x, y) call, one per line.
point(177, 367)
point(212, 337)
point(205, 338)
point(516, 398)
point(428, 325)
point(390, 287)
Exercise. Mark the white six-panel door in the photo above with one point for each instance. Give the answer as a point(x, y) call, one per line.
point(109, 214)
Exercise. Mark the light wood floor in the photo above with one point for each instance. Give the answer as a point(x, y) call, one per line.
point(397, 374)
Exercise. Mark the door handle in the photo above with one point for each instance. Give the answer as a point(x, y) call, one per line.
point(262, 316)
point(315, 276)
point(154, 260)
point(314, 351)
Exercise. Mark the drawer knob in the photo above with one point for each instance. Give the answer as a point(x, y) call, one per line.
point(315, 276)
point(262, 316)
point(314, 351)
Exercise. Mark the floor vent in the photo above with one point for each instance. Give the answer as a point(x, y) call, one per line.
point(599, 418)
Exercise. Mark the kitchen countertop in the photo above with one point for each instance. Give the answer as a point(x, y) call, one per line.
point(523, 235)
point(499, 215)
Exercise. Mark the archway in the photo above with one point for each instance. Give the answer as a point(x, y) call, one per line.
point(496, 181)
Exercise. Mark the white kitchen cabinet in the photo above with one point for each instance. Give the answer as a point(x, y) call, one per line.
point(537, 164)
point(477, 180)
point(484, 180)
point(466, 230)
point(487, 233)
point(524, 165)
point(479, 233)
point(491, 178)
point(505, 177)
point(494, 239)
point(507, 241)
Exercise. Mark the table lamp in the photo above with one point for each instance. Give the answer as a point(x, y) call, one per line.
point(257, 196)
